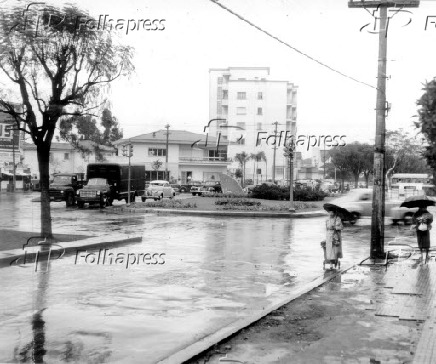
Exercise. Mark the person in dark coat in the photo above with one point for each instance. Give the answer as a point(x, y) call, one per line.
point(422, 220)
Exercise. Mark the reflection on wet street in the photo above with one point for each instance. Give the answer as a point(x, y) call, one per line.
point(215, 271)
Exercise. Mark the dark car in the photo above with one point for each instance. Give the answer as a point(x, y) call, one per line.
point(187, 187)
point(207, 187)
point(65, 186)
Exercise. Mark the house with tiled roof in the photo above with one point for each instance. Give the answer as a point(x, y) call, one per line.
point(64, 158)
point(189, 157)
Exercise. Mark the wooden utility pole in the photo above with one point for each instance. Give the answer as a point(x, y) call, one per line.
point(14, 178)
point(378, 201)
point(274, 156)
point(289, 153)
point(166, 153)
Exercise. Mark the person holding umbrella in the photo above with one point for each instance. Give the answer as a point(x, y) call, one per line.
point(333, 242)
point(421, 221)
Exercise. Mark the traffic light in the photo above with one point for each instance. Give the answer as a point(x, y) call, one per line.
point(125, 150)
point(131, 150)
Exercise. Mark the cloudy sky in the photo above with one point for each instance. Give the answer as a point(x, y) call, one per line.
point(170, 84)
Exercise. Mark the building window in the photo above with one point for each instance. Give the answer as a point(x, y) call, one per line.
point(241, 111)
point(220, 93)
point(217, 154)
point(259, 126)
point(280, 171)
point(225, 94)
point(157, 152)
point(241, 125)
point(66, 156)
point(220, 80)
point(259, 111)
point(241, 95)
point(259, 96)
point(241, 141)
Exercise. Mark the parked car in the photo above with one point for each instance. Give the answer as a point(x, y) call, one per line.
point(359, 203)
point(207, 187)
point(64, 187)
point(187, 187)
point(158, 190)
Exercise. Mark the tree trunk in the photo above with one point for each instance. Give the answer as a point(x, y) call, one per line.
point(356, 180)
point(366, 179)
point(43, 152)
point(266, 171)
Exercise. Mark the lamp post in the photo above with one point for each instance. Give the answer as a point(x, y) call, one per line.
point(289, 153)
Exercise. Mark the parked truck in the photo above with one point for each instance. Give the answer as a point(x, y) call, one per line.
point(109, 181)
point(65, 186)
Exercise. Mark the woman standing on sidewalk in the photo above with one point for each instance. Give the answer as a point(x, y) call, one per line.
point(422, 220)
point(333, 243)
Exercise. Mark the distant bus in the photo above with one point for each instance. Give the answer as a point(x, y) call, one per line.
point(409, 184)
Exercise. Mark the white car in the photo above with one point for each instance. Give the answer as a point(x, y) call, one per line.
point(158, 190)
point(359, 203)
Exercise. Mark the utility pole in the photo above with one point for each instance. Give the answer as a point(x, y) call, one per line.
point(14, 178)
point(166, 153)
point(128, 152)
point(289, 153)
point(324, 159)
point(274, 156)
point(378, 200)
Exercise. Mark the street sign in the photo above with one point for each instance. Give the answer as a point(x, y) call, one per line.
point(389, 3)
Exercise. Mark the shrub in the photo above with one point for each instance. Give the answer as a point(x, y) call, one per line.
point(171, 204)
point(236, 202)
point(280, 208)
point(282, 193)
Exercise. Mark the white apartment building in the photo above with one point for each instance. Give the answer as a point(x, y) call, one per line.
point(249, 103)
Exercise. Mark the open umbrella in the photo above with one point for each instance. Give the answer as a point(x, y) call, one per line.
point(417, 201)
point(345, 214)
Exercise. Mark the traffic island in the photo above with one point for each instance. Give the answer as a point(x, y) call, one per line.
point(210, 206)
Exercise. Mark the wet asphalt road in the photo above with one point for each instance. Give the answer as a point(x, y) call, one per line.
point(214, 271)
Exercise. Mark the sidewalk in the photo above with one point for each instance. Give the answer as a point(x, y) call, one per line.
point(365, 315)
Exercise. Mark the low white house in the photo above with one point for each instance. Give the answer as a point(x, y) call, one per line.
point(191, 156)
point(64, 158)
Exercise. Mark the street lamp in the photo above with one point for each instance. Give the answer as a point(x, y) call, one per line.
point(289, 153)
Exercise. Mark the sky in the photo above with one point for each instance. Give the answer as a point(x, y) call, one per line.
point(170, 82)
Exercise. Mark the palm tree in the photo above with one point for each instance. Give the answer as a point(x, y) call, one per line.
point(261, 157)
point(253, 156)
point(242, 158)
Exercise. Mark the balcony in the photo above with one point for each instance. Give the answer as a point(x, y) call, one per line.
point(204, 160)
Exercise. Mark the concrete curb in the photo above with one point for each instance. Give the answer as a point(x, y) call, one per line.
point(7, 257)
point(205, 343)
point(287, 215)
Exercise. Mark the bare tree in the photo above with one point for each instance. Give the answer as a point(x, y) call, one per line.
point(57, 65)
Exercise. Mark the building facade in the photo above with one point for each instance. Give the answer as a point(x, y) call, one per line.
point(191, 156)
point(64, 158)
point(246, 104)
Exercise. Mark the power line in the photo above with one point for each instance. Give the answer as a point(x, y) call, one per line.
point(288, 45)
